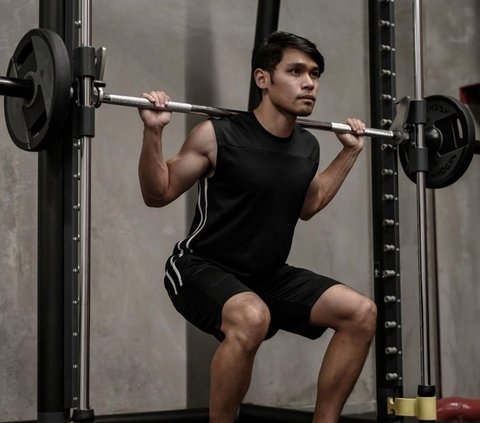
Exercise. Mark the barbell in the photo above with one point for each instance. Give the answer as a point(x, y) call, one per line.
point(38, 90)
point(35, 84)
point(173, 106)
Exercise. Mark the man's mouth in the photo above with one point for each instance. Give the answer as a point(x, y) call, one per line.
point(307, 97)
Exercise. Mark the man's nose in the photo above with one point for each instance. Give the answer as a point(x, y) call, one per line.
point(308, 81)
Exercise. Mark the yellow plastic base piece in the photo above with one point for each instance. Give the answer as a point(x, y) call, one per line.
point(423, 408)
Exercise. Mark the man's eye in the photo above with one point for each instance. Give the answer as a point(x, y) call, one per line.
point(295, 72)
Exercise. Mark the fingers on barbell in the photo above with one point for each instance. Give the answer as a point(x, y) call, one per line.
point(158, 98)
point(356, 124)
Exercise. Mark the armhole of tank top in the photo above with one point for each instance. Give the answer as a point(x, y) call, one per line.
point(217, 127)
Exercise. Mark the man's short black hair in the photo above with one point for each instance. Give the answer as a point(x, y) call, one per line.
point(269, 53)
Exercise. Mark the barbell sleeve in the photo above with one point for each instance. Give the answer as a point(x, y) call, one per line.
point(173, 106)
point(16, 87)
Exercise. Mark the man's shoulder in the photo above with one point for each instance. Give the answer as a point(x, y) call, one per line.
point(233, 126)
point(235, 118)
point(307, 142)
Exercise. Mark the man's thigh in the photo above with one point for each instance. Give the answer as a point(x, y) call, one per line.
point(199, 289)
point(290, 295)
point(336, 307)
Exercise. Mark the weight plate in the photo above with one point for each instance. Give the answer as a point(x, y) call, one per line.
point(41, 57)
point(450, 139)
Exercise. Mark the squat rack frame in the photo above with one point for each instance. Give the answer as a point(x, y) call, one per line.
point(63, 266)
point(385, 207)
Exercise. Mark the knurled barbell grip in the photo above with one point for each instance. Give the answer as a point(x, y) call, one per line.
point(343, 128)
point(173, 106)
point(368, 132)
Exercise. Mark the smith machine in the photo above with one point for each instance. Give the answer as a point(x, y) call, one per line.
point(48, 111)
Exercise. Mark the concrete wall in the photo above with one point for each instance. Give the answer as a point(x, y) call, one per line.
point(144, 357)
point(18, 234)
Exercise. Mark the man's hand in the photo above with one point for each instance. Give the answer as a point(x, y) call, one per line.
point(156, 118)
point(353, 141)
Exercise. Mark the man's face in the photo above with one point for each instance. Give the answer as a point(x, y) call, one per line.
point(294, 84)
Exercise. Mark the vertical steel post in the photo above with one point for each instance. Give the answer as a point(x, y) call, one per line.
point(71, 234)
point(84, 113)
point(85, 90)
point(421, 203)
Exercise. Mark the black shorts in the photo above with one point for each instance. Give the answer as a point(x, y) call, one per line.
point(199, 289)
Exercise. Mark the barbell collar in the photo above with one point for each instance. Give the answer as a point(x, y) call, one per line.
point(173, 106)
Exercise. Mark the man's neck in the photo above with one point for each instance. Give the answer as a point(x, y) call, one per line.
point(275, 122)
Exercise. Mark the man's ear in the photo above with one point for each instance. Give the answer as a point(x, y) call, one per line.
point(262, 78)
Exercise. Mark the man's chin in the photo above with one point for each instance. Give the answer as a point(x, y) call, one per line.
point(304, 113)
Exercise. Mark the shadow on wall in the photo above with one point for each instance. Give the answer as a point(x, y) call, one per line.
point(200, 88)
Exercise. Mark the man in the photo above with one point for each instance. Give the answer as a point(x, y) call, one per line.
point(257, 175)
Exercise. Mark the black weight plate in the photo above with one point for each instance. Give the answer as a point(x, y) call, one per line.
point(450, 139)
point(41, 56)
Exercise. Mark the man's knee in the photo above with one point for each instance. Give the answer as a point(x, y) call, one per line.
point(343, 309)
point(245, 320)
point(365, 318)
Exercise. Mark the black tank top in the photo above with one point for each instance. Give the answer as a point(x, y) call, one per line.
point(247, 211)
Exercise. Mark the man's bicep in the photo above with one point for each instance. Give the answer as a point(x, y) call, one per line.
point(311, 205)
point(184, 170)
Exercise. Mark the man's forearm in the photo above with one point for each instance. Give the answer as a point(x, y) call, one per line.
point(152, 169)
point(334, 175)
